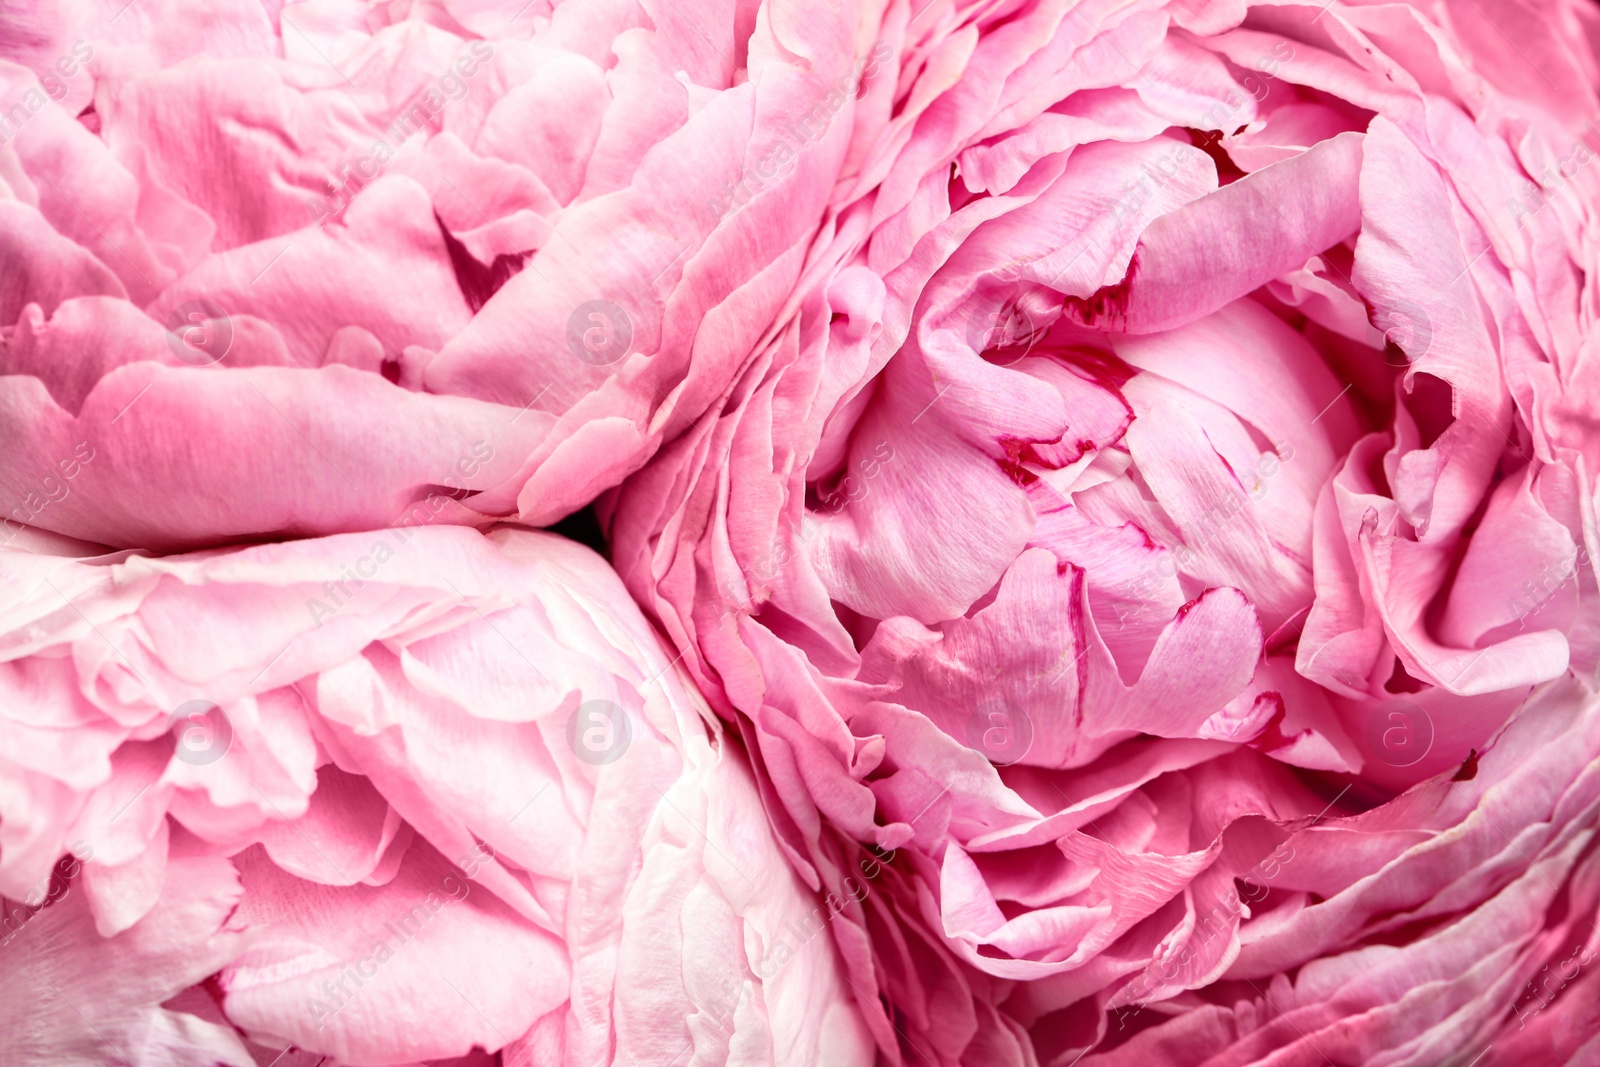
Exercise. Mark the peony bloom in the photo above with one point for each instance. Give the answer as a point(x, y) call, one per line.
point(1167, 520)
point(386, 797)
point(1461, 925)
point(307, 268)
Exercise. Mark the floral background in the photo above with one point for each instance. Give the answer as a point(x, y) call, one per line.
point(818, 532)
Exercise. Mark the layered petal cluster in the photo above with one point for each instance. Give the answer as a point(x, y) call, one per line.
point(1168, 518)
point(454, 260)
point(385, 798)
point(1457, 924)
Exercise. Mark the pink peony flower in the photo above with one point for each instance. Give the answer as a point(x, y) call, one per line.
point(1167, 520)
point(309, 268)
point(386, 797)
point(1459, 925)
